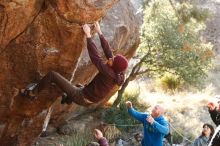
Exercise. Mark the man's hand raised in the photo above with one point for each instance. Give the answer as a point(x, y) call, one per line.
point(211, 106)
point(129, 104)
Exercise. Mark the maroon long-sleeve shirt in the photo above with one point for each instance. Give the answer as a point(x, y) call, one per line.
point(106, 80)
point(103, 142)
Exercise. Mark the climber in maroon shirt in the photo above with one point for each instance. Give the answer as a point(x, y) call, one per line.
point(110, 75)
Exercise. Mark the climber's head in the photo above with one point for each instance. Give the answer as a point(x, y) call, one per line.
point(119, 63)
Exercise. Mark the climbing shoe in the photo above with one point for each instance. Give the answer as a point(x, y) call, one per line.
point(79, 85)
point(66, 99)
point(27, 92)
point(44, 134)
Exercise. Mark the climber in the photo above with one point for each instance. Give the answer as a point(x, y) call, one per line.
point(110, 75)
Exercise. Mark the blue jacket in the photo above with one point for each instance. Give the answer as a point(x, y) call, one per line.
point(153, 134)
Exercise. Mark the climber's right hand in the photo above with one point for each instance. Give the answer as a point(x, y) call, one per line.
point(97, 28)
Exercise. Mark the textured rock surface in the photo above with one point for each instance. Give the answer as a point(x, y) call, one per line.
point(37, 36)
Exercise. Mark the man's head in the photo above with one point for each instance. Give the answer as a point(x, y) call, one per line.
point(157, 111)
point(119, 63)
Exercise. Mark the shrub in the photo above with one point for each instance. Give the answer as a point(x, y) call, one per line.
point(170, 82)
point(119, 115)
point(132, 95)
point(81, 139)
point(177, 139)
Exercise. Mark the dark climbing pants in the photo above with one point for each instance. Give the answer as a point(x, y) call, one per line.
point(73, 92)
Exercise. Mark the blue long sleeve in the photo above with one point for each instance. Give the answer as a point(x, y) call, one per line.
point(153, 134)
point(137, 115)
point(161, 127)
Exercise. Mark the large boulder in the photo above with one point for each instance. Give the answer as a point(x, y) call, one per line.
point(37, 36)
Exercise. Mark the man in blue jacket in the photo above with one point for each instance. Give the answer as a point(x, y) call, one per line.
point(155, 125)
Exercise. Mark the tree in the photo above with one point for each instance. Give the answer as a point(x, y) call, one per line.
point(171, 42)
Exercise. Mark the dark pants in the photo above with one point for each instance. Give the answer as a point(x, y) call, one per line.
point(216, 140)
point(73, 92)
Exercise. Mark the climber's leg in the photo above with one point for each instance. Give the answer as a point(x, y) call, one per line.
point(53, 78)
point(46, 81)
point(73, 93)
point(77, 97)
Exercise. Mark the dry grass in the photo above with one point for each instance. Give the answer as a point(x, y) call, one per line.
point(186, 111)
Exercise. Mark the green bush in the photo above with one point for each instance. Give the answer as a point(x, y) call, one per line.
point(133, 97)
point(171, 39)
point(119, 115)
point(170, 82)
point(81, 139)
point(176, 138)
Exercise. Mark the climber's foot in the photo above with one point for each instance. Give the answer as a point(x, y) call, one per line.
point(44, 134)
point(28, 92)
point(79, 85)
point(66, 99)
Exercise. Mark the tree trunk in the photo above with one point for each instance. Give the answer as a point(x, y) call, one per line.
point(120, 92)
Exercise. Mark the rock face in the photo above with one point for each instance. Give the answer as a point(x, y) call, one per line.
point(37, 36)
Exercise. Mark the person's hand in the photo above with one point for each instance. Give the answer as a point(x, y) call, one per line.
point(150, 119)
point(129, 104)
point(211, 106)
point(97, 28)
point(98, 134)
point(87, 30)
